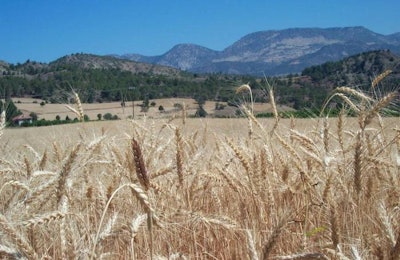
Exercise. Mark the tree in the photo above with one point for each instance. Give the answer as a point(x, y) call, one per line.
point(99, 116)
point(145, 104)
point(107, 116)
point(201, 112)
point(10, 109)
point(161, 109)
point(34, 116)
point(58, 118)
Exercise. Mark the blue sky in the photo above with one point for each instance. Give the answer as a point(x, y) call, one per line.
point(45, 30)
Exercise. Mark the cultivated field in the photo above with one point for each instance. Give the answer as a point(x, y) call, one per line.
point(205, 188)
point(50, 111)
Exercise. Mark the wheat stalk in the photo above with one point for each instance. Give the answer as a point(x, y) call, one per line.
point(273, 238)
point(358, 163)
point(303, 256)
point(353, 92)
point(2, 121)
point(395, 250)
point(251, 245)
point(379, 78)
point(179, 155)
point(246, 88)
point(79, 111)
point(17, 239)
point(334, 227)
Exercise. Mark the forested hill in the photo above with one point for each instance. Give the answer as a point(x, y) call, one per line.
point(103, 78)
point(358, 70)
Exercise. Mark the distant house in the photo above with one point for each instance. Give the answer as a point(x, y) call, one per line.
point(19, 120)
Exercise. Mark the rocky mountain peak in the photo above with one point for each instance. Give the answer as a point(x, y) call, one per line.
point(274, 52)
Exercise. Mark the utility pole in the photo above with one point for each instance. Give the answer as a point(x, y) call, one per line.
point(133, 101)
point(133, 109)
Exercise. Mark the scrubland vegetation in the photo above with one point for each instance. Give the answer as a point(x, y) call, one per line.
point(183, 188)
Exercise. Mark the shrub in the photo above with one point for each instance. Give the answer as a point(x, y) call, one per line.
point(107, 116)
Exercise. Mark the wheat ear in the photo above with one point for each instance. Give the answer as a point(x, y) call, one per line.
point(355, 93)
point(17, 239)
point(379, 78)
point(65, 171)
point(247, 88)
point(140, 194)
point(44, 219)
point(274, 109)
point(378, 106)
point(245, 162)
point(140, 166)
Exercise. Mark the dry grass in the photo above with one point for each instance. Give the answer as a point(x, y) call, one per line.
point(205, 189)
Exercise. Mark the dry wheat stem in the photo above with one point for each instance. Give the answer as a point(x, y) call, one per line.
point(274, 237)
point(274, 109)
point(179, 156)
point(2, 121)
point(251, 245)
point(395, 250)
point(303, 256)
point(355, 93)
point(141, 196)
point(344, 98)
point(358, 160)
point(243, 88)
point(379, 78)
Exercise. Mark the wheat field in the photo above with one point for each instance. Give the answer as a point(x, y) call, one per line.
point(184, 188)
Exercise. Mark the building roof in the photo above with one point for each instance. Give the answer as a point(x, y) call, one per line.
point(21, 118)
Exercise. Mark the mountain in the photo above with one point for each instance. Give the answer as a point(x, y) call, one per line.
point(90, 61)
point(181, 56)
point(275, 51)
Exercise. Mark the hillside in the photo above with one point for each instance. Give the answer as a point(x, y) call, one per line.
point(275, 52)
point(88, 61)
point(100, 79)
point(357, 70)
point(104, 78)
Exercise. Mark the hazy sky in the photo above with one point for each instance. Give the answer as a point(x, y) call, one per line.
point(44, 30)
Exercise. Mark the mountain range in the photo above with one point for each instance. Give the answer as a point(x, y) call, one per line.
point(274, 52)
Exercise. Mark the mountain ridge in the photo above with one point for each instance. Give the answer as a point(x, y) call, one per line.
point(274, 52)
